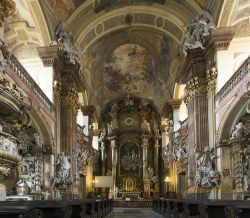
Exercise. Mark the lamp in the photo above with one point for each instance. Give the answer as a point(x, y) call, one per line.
point(167, 180)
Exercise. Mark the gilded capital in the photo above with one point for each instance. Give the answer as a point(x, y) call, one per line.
point(7, 8)
point(195, 87)
point(71, 98)
point(211, 78)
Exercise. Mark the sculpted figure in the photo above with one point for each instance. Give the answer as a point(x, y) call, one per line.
point(63, 165)
point(197, 32)
point(145, 126)
point(238, 129)
point(150, 172)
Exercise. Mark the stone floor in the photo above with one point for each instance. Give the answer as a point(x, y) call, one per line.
point(133, 212)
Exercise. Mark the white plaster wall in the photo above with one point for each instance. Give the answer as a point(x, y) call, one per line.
point(43, 76)
point(229, 61)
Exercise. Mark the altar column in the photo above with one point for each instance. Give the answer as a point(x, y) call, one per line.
point(166, 129)
point(89, 110)
point(157, 137)
point(146, 182)
point(102, 147)
point(113, 146)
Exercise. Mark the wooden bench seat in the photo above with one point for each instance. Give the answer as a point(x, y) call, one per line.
point(20, 212)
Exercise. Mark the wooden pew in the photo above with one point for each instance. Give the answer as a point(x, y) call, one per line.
point(191, 209)
point(20, 212)
point(217, 207)
point(50, 209)
point(238, 211)
point(78, 208)
point(179, 209)
point(90, 208)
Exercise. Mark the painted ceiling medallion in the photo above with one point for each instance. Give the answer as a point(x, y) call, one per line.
point(129, 121)
point(129, 69)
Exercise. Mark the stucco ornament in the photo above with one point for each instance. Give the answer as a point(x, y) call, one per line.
point(238, 130)
point(3, 60)
point(62, 178)
point(197, 32)
point(66, 45)
point(206, 175)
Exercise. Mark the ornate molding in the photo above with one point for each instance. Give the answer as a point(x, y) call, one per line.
point(57, 89)
point(11, 87)
point(71, 98)
point(7, 8)
point(211, 78)
point(195, 87)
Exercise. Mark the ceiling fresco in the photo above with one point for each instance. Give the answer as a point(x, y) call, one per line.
point(64, 8)
point(129, 69)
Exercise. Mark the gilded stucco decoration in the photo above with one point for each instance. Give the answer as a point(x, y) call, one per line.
point(195, 87)
point(7, 8)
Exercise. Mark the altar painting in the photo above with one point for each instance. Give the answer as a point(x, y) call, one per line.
point(130, 160)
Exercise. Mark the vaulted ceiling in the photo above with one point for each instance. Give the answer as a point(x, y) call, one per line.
point(128, 46)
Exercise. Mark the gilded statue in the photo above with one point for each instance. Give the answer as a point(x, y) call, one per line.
point(7, 8)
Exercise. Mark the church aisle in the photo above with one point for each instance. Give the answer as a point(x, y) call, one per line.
point(133, 212)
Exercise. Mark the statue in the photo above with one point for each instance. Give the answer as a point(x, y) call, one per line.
point(62, 178)
point(66, 44)
point(83, 161)
point(38, 140)
point(3, 61)
point(206, 176)
point(150, 173)
point(63, 166)
point(197, 32)
point(238, 130)
point(146, 126)
point(245, 183)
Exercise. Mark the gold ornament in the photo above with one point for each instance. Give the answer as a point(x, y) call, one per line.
point(7, 8)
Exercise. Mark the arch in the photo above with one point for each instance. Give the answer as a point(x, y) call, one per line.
point(84, 22)
point(235, 110)
point(42, 126)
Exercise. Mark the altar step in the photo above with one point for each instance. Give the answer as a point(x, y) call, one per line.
point(134, 212)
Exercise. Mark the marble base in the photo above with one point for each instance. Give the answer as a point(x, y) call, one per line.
point(197, 193)
point(2, 193)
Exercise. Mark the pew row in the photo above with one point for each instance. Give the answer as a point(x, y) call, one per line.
point(172, 208)
point(89, 208)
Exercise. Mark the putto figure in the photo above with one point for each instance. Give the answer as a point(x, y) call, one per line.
point(197, 32)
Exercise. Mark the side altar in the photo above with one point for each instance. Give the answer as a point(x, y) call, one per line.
point(133, 195)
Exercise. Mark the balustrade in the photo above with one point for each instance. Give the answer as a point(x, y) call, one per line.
point(20, 71)
point(234, 80)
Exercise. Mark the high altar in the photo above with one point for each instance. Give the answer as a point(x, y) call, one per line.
point(130, 147)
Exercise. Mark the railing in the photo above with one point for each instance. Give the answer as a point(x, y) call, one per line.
point(20, 71)
point(234, 80)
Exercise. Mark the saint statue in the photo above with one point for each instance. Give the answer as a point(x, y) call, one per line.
point(63, 165)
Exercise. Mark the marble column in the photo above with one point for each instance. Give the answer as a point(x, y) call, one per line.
point(113, 146)
point(166, 129)
point(146, 182)
point(156, 164)
point(211, 78)
point(175, 104)
point(196, 100)
point(89, 111)
point(102, 147)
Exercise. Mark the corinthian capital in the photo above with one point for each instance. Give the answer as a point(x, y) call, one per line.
point(195, 87)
